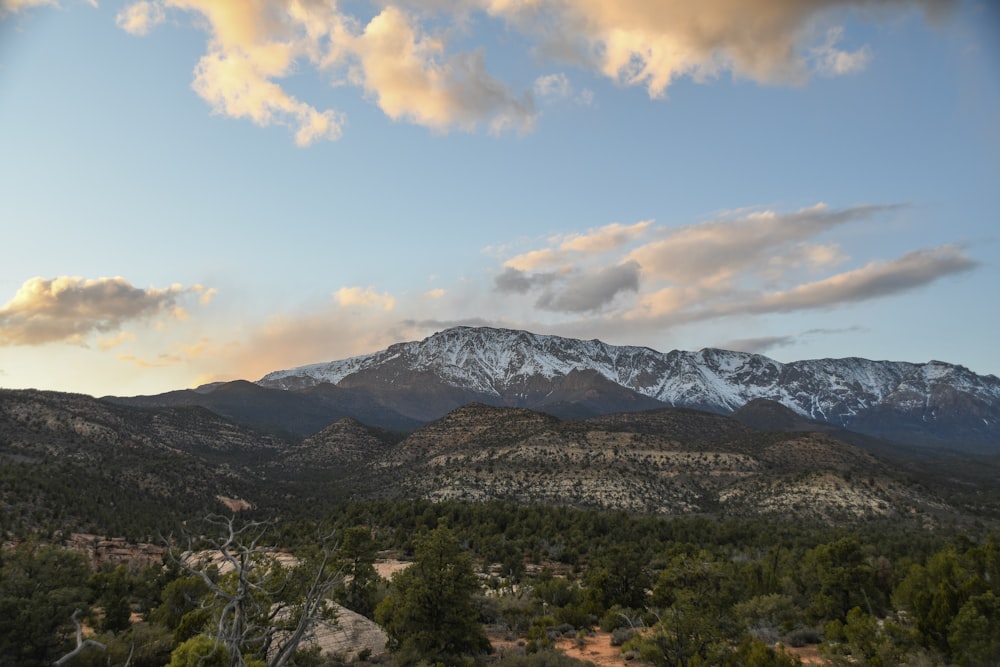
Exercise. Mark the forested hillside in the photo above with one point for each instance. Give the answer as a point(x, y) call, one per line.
point(682, 537)
point(517, 581)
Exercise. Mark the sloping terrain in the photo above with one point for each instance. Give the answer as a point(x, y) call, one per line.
point(298, 413)
point(967, 479)
point(669, 461)
point(72, 461)
point(932, 404)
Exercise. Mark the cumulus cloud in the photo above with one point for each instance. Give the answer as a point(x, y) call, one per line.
point(553, 86)
point(592, 242)
point(516, 281)
point(140, 17)
point(738, 255)
point(682, 305)
point(410, 78)
point(832, 61)
point(568, 274)
point(715, 251)
point(591, 290)
point(252, 44)
point(651, 43)
point(750, 262)
point(68, 309)
point(875, 280)
point(604, 292)
point(401, 53)
point(366, 296)
point(15, 6)
point(206, 294)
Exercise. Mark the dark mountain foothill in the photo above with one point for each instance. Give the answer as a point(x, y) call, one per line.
point(488, 414)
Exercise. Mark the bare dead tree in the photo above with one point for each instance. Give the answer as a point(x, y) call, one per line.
point(261, 608)
point(81, 643)
point(314, 605)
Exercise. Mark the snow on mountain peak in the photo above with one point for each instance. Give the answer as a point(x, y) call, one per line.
point(502, 362)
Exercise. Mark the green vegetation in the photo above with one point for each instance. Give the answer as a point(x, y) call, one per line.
point(429, 613)
point(40, 587)
point(685, 591)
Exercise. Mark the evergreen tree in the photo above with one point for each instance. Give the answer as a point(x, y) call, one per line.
point(40, 588)
point(360, 589)
point(430, 613)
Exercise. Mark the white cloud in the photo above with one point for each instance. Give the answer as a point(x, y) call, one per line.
point(238, 83)
point(410, 78)
point(358, 296)
point(747, 262)
point(831, 61)
point(15, 6)
point(69, 309)
point(715, 251)
point(553, 86)
point(875, 280)
point(140, 17)
point(590, 290)
point(401, 54)
point(651, 43)
point(594, 241)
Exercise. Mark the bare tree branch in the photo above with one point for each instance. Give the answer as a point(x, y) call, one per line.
point(81, 643)
point(258, 606)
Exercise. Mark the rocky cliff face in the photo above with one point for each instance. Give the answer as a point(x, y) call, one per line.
point(113, 551)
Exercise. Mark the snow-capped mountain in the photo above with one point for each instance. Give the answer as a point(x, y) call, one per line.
point(929, 403)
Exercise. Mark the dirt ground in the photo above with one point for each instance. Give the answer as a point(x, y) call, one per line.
point(809, 655)
point(597, 649)
point(386, 567)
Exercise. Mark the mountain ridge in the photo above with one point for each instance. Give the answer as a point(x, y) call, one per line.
point(73, 462)
point(932, 404)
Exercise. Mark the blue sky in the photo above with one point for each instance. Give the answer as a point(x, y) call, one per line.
point(193, 190)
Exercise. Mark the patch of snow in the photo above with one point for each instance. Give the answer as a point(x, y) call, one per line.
point(500, 362)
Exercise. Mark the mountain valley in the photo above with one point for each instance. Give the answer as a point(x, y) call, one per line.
point(426, 420)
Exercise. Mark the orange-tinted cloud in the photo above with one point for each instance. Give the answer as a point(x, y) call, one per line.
point(364, 296)
point(178, 354)
point(875, 280)
point(748, 262)
point(592, 242)
point(401, 54)
point(111, 342)
point(411, 78)
point(717, 250)
point(15, 6)
point(140, 17)
point(68, 309)
point(651, 43)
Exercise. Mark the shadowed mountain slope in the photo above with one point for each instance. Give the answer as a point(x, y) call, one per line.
point(932, 404)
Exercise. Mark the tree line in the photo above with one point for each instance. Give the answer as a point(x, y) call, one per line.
point(671, 591)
